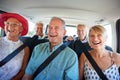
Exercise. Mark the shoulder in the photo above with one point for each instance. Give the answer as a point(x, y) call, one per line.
point(27, 52)
point(42, 45)
point(69, 52)
point(116, 57)
point(27, 48)
point(82, 60)
point(82, 57)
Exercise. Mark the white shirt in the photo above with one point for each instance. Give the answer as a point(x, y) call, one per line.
point(11, 68)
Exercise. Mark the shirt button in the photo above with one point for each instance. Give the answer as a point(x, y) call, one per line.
point(44, 72)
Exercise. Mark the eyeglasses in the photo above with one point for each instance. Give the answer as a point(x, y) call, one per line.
point(12, 24)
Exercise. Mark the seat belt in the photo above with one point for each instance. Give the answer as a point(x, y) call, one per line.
point(93, 63)
point(13, 54)
point(50, 58)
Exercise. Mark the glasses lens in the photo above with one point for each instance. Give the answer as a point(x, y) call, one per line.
point(12, 23)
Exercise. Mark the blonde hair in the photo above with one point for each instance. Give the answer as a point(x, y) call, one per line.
point(99, 29)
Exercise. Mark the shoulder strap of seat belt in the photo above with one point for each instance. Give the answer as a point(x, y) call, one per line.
point(93, 63)
point(50, 58)
point(13, 54)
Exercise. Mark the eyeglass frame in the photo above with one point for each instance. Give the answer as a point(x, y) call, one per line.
point(12, 23)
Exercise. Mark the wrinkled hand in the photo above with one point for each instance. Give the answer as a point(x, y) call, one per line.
point(70, 38)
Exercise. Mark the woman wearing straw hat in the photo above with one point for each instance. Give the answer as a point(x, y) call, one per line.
point(14, 25)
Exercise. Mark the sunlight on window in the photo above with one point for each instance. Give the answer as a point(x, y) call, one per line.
point(71, 31)
point(31, 29)
point(109, 33)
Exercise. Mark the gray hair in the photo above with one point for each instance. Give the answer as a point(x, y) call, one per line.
point(63, 22)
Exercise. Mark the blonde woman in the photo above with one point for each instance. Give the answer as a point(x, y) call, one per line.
point(108, 62)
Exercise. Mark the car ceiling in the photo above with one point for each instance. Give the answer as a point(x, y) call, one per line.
point(73, 11)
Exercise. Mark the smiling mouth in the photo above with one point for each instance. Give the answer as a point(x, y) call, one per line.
point(53, 35)
point(96, 43)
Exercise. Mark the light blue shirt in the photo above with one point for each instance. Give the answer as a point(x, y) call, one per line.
point(63, 67)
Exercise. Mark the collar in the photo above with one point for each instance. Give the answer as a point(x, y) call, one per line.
point(55, 47)
point(85, 40)
point(10, 41)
